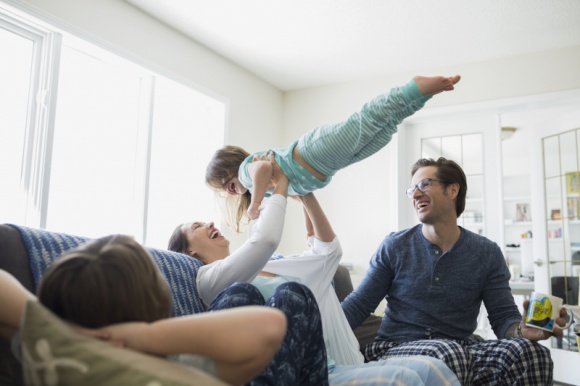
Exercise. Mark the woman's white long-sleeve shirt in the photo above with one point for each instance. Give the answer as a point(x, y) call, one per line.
point(248, 260)
point(315, 269)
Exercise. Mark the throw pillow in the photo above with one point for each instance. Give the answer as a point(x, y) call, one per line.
point(55, 354)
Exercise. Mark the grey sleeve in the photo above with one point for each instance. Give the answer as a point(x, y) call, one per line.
point(15, 346)
point(200, 362)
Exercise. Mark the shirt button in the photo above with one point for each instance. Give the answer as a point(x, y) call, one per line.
point(436, 252)
point(437, 278)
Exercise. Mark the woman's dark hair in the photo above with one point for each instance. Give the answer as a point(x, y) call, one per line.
point(222, 167)
point(110, 280)
point(450, 172)
point(178, 241)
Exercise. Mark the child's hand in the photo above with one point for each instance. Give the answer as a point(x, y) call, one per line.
point(254, 210)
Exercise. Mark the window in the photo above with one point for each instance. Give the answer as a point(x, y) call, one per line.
point(95, 144)
point(15, 72)
point(467, 151)
point(187, 129)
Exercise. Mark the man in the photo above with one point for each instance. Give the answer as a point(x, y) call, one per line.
point(434, 277)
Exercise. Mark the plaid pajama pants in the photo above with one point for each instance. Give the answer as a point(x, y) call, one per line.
point(514, 361)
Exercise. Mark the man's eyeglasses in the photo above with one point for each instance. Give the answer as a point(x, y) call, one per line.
point(423, 185)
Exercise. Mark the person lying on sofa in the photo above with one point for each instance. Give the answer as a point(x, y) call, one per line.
point(435, 277)
point(252, 263)
point(113, 289)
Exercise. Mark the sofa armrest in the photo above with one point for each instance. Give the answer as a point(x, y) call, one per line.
point(13, 259)
point(342, 282)
point(13, 256)
point(367, 331)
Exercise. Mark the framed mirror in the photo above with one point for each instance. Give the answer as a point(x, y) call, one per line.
point(562, 207)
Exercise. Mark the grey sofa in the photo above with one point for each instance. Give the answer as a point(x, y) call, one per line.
point(14, 258)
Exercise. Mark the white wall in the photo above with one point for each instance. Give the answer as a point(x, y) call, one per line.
point(364, 201)
point(254, 106)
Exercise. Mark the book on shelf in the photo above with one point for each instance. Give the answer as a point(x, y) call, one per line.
point(573, 208)
point(573, 182)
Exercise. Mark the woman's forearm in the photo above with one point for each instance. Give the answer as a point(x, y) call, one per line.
point(322, 229)
point(222, 335)
point(13, 298)
point(247, 261)
point(242, 341)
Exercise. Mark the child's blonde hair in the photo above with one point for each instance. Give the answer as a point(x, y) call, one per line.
point(224, 166)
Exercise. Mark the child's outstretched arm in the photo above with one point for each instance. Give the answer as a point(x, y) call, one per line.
point(13, 298)
point(242, 341)
point(261, 173)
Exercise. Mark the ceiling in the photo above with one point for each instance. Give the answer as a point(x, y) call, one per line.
point(296, 44)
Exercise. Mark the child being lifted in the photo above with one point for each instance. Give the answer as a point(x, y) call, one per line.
point(311, 161)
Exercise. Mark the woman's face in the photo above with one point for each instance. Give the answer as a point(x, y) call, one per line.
point(234, 187)
point(206, 242)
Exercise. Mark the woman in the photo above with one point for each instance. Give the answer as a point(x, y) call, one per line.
point(315, 269)
point(112, 287)
point(302, 357)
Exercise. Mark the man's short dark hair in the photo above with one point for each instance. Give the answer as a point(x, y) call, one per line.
point(450, 172)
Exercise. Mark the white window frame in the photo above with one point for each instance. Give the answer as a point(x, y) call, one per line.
point(40, 121)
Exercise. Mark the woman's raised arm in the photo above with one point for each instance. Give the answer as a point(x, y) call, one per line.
point(13, 298)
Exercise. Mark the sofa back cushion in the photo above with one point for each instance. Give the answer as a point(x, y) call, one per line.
point(179, 270)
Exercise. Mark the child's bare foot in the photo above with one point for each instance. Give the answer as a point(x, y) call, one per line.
point(431, 85)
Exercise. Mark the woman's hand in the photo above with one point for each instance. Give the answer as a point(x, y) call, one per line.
point(99, 334)
point(278, 176)
point(254, 210)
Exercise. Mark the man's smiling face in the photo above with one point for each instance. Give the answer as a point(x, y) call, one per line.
point(434, 204)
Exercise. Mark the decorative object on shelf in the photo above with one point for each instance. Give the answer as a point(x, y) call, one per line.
point(515, 272)
point(527, 255)
point(573, 182)
point(523, 212)
point(573, 208)
point(555, 233)
point(507, 132)
point(556, 214)
point(472, 216)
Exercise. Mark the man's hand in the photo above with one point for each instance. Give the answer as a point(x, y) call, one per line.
point(537, 334)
